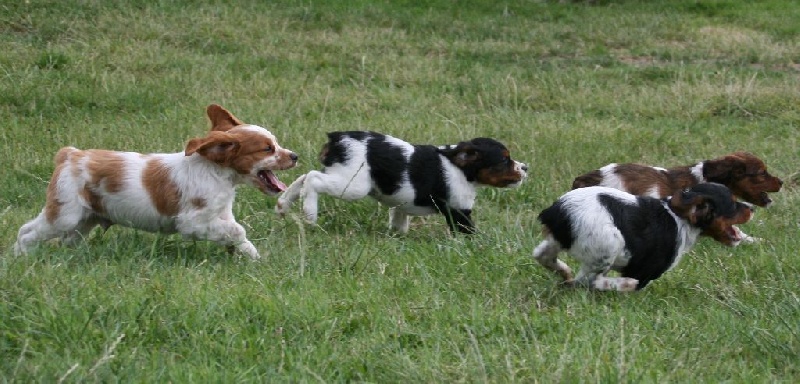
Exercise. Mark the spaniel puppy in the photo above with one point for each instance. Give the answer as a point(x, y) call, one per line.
point(189, 192)
point(413, 180)
point(745, 174)
point(639, 236)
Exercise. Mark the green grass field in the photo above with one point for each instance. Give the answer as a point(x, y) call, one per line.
point(568, 86)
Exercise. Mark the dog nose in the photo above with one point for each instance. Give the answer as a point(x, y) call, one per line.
point(524, 168)
point(293, 156)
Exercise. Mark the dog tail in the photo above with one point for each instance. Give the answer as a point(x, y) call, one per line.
point(556, 220)
point(63, 155)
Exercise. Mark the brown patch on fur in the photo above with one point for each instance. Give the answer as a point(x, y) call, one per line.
point(684, 208)
point(588, 180)
point(94, 200)
point(75, 159)
point(721, 228)
point(221, 119)
point(218, 147)
point(240, 149)
point(640, 179)
point(105, 169)
point(254, 148)
point(163, 191)
point(63, 158)
point(198, 202)
point(499, 176)
point(323, 153)
point(744, 173)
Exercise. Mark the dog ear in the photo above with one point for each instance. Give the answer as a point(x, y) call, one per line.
point(692, 206)
point(218, 147)
point(749, 162)
point(221, 119)
point(724, 170)
point(462, 155)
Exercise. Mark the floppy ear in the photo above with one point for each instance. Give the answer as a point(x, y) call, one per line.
point(750, 163)
point(693, 207)
point(218, 147)
point(221, 119)
point(722, 170)
point(461, 155)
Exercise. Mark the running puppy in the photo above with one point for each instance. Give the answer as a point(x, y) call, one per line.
point(641, 237)
point(743, 173)
point(414, 180)
point(189, 192)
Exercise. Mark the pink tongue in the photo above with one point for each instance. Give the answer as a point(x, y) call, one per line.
point(275, 182)
point(735, 233)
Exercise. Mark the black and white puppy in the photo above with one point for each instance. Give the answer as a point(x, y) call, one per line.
point(641, 237)
point(414, 180)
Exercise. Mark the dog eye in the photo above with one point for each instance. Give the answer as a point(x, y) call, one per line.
point(268, 148)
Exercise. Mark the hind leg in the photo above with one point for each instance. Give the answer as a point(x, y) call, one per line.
point(82, 230)
point(347, 187)
point(546, 253)
point(69, 217)
point(593, 275)
point(40, 229)
point(620, 284)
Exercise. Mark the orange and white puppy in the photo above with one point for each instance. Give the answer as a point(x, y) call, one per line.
point(189, 192)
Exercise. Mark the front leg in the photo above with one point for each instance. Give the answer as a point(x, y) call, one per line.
point(289, 196)
point(398, 220)
point(459, 220)
point(228, 233)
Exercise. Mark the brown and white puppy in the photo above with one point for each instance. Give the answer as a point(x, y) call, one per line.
point(639, 236)
point(743, 173)
point(189, 192)
point(414, 180)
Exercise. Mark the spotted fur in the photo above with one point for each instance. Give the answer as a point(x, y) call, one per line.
point(189, 192)
point(413, 180)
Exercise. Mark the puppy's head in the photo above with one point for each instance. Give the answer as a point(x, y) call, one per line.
point(745, 174)
point(486, 161)
point(252, 151)
point(712, 208)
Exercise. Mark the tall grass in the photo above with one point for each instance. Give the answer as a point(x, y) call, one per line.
point(569, 86)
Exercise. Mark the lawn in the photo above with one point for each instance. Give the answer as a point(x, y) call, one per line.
point(568, 86)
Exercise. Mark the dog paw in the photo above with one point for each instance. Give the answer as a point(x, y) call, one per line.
point(281, 208)
point(627, 284)
point(248, 249)
point(747, 239)
point(619, 284)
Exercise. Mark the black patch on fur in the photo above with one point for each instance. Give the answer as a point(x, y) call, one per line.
point(387, 163)
point(334, 151)
point(425, 169)
point(426, 175)
point(558, 222)
point(650, 234)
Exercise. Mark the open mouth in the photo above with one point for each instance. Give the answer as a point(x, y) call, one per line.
point(734, 234)
point(269, 183)
point(765, 200)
